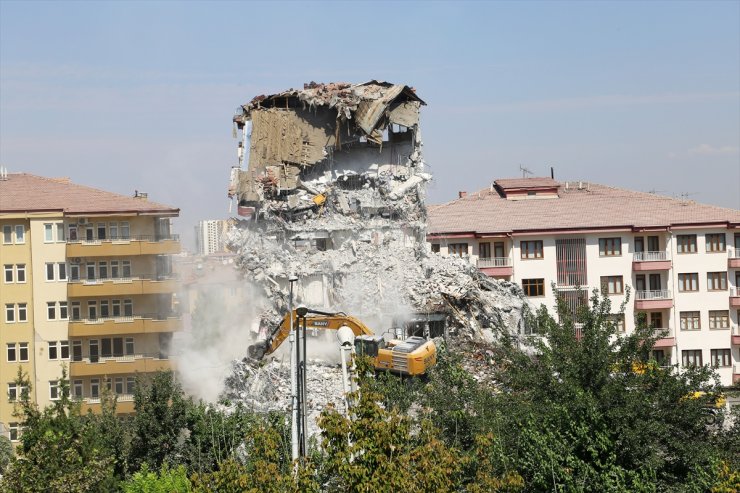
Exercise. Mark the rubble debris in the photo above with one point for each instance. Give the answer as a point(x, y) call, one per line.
point(333, 191)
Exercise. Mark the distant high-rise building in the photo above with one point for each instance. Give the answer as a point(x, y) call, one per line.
point(209, 236)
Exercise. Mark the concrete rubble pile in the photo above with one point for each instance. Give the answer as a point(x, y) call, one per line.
point(331, 187)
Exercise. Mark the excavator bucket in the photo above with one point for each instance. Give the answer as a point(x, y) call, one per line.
point(257, 351)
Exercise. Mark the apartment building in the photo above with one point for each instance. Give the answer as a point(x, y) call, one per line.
point(680, 259)
point(87, 285)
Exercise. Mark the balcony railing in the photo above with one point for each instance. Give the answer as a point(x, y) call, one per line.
point(123, 280)
point(664, 332)
point(120, 359)
point(733, 252)
point(119, 398)
point(494, 262)
point(653, 294)
point(126, 239)
point(126, 318)
point(649, 256)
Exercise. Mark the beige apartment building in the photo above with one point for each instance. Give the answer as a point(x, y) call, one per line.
point(681, 259)
point(87, 285)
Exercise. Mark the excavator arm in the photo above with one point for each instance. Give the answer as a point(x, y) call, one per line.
point(314, 320)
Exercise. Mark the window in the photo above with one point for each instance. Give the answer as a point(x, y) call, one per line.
point(103, 270)
point(656, 320)
point(23, 351)
point(105, 345)
point(7, 234)
point(14, 431)
point(531, 249)
point(94, 388)
point(104, 311)
point(688, 282)
point(128, 308)
point(48, 233)
point(686, 243)
point(459, 249)
point(618, 320)
point(690, 321)
point(77, 389)
point(691, 357)
point(62, 271)
point(76, 350)
point(74, 272)
point(101, 231)
point(484, 250)
point(8, 276)
point(612, 284)
point(20, 234)
point(716, 242)
point(53, 390)
point(93, 346)
point(51, 310)
point(12, 392)
point(60, 232)
point(533, 287)
point(129, 346)
point(10, 313)
point(716, 281)
point(76, 312)
point(20, 272)
point(126, 268)
point(118, 385)
point(659, 357)
point(610, 247)
point(49, 271)
point(63, 313)
point(115, 272)
point(90, 267)
point(64, 349)
point(117, 347)
point(116, 308)
point(92, 310)
point(130, 385)
point(22, 312)
point(125, 230)
point(53, 350)
point(12, 352)
point(72, 232)
point(113, 230)
point(719, 319)
point(721, 357)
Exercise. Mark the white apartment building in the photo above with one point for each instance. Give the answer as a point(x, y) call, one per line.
point(209, 236)
point(681, 259)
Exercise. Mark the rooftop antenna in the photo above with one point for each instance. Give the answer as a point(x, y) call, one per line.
point(685, 197)
point(655, 192)
point(525, 171)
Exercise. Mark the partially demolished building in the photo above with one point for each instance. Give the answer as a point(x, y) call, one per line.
point(331, 185)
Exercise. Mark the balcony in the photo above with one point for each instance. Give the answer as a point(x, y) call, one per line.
point(655, 299)
point(735, 336)
point(121, 286)
point(735, 296)
point(496, 266)
point(139, 324)
point(116, 365)
point(643, 261)
point(124, 404)
point(667, 338)
point(733, 258)
point(124, 246)
point(736, 373)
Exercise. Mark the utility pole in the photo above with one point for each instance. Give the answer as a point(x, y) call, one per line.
point(293, 376)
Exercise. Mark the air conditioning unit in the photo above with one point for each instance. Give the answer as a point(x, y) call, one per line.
point(82, 220)
point(75, 260)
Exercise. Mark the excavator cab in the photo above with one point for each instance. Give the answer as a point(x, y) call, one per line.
point(369, 345)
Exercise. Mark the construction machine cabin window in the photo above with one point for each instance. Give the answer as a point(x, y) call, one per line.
point(715, 242)
point(533, 287)
point(531, 249)
point(458, 249)
point(610, 247)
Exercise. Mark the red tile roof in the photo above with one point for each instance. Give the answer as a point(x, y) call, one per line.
point(23, 192)
point(593, 207)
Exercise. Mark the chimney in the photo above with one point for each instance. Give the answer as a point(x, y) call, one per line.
point(461, 195)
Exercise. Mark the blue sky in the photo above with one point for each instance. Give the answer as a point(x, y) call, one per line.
point(140, 95)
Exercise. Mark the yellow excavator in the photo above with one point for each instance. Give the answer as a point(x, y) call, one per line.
point(413, 356)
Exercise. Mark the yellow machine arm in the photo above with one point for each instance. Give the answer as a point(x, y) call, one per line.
point(314, 320)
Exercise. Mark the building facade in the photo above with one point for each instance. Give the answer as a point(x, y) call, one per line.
point(210, 235)
point(87, 286)
point(679, 260)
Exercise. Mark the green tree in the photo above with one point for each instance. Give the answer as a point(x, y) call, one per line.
point(166, 481)
point(6, 453)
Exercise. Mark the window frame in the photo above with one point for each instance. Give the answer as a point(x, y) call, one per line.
point(693, 281)
point(610, 246)
point(608, 281)
point(684, 317)
point(7, 234)
point(21, 312)
point(10, 317)
point(452, 249)
point(20, 274)
point(537, 254)
point(20, 239)
point(713, 277)
point(8, 269)
point(723, 354)
point(48, 232)
point(686, 244)
point(721, 316)
point(536, 284)
point(689, 356)
point(718, 242)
